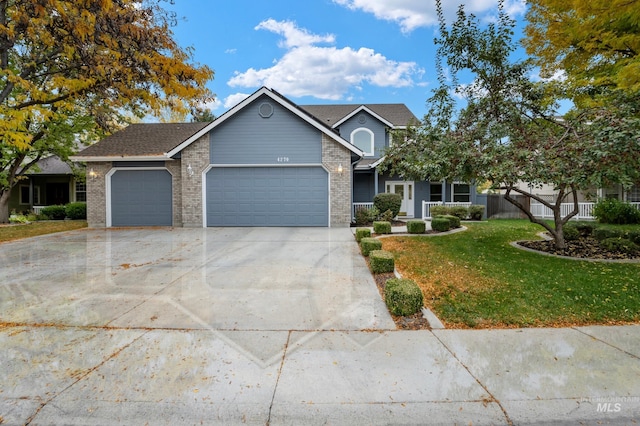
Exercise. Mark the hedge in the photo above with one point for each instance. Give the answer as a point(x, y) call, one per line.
point(381, 261)
point(367, 245)
point(416, 227)
point(403, 297)
point(440, 224)
point(381, 227)
point(362, 233)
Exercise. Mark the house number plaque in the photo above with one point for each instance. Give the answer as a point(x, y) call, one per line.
point(283, 159)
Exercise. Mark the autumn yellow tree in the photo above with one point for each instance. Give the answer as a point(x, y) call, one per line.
point(595, 43)
point(73, 70)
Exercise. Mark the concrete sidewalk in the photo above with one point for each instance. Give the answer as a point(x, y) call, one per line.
point(271, 326)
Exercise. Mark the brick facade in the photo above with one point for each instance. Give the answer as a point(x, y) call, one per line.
point(174, 167)
point(334, 156)
point(97, 194)
point(196, 155)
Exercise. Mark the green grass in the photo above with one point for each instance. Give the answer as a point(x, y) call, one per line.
point(476, 279)
point(17, 232)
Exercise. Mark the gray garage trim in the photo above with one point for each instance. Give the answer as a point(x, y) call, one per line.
point(266, 195)
point(139, 197)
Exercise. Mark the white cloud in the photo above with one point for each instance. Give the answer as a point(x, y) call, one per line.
point(412, 14)
point(211, 105)
point(328, 72)
point(232, 100)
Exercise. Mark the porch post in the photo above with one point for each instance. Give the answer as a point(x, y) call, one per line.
point(444, 191)
point(375, 181)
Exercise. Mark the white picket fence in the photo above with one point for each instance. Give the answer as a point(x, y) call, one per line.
point(426, 207)
point(585, 210)
point(361, 206)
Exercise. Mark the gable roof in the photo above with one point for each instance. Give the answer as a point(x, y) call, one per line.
point(396, 116)
point(51, 165)
point(160, 141)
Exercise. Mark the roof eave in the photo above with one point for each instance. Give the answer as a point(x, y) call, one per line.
point(93, 159)
point(364, 108)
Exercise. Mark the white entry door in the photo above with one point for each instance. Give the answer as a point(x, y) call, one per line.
point(405, 190)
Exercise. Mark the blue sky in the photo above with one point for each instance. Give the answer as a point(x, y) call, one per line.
point(320, 51)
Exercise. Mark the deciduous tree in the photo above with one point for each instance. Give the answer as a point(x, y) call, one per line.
point(72, 70)
point(508, 130)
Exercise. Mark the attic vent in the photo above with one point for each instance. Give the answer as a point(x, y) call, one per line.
point(265, 110)
point(362, 119)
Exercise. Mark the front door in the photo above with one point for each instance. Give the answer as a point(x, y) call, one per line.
point(405, 190)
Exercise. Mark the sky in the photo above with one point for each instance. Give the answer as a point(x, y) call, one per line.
point(321, 51)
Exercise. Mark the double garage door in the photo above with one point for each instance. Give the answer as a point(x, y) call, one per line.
point(267, 196)
point(235, 196)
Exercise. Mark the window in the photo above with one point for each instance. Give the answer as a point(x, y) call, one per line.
point(81, 191)
point(363, 139)
point(461, 193)
point(633, 196)
point(435, 192)
point(25, 197)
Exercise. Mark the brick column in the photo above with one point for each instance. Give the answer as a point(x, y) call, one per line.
point(335, 155)
point(197, 156)
point(97, 194)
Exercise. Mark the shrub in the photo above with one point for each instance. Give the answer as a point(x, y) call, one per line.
point(611, 210)
point(585, 228)
point(416, 227)
point(381, 261)
point(367, 245)
point(460, 212)
point(382, 227)
point(387, 216)
point(441, 224)
point(439, 211)
point(634, 236)
point(362, 217)
point(54, 212)
point(18, 218)
point(76, 211)
point(570, 232)
point(388, 201)
point(476, 211)
point(604, 233)
point(454, 221)
point(620, 245)
point(403, 297)
point(362, 233)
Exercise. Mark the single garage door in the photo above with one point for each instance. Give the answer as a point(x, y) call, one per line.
point(267, 196)
point(141, 198)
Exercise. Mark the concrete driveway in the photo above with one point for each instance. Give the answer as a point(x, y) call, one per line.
point(270, 326)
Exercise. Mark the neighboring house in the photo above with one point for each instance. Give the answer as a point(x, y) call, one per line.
point(51, 182)
point(265, 162)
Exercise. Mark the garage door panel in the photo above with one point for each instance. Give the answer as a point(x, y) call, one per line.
point(267, 196)
point(141, 198)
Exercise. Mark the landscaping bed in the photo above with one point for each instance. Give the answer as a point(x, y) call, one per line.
point(584, 248)
point(410, 322)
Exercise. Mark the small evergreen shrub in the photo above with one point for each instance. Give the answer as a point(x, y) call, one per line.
point(460, 212)
point(387, 216)
point(388, 201)
point(620, 245)
point(382, 227)
point(439, 211)
point(604, 233)
point(362, 233)
point(585, 228)
point(440, 224)
point(454, 221)
point(476, 211)
point(76, 211)
point(611, 210)
point(54, 212)
point(362, 217)
point(634, 236)
point(367, 245)
point(416, 227)
point(403, 297)
point(381, 261)
point(570, 232)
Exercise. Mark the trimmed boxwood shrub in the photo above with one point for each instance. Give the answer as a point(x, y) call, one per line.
point(440, 224)
point(76, 211)
point(54, 212)
point(460, 212)
point(403, 297)
point(416, 227)
point(439, 211)
point(621, 245)
point(388, 201)
point(381, 227)
point(362, 233)
point(381, 261)
point(476, 211)
point(367, 245)
point(454, 221)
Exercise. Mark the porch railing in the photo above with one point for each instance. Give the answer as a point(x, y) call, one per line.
point(37, 209)
point(361, 206)
point(585, 210)
point(426, 206)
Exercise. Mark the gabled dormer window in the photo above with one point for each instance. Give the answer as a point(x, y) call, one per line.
point(362, 138)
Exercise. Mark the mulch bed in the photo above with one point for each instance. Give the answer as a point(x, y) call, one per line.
point(583, 248)
point(411, 322)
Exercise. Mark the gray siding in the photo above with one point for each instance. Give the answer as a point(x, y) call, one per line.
point(249, 138)
point(141, 198)
point(371, 123)
point(363, 187)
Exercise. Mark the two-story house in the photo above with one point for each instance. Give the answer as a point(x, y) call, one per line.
point(265, 162)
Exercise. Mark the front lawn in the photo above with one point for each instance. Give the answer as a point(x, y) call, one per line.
point(476, 279)
point(17, 232)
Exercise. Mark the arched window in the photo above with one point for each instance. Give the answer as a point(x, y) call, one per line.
point(363, 139)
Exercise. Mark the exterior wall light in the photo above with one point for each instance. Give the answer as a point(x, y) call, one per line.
point(92, 174)
point(340, 168)
point(190, 170)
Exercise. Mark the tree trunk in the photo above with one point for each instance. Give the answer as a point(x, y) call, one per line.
point(4, 205)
